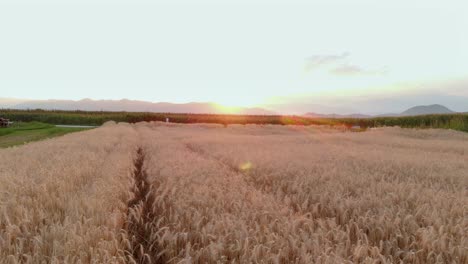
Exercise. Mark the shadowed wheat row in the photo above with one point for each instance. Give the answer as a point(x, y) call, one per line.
point(140, 216)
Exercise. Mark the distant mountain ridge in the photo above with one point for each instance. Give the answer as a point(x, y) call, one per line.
point(427, 110)
point(413, 111)
point(11, 102)
point(130, 106)
point(193, 107)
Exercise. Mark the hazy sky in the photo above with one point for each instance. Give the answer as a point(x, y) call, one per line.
point(323, 56)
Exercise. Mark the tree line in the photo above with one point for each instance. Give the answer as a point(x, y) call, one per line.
point(447, 121)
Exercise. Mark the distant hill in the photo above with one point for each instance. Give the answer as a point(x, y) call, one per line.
point(413, 111)
point(427, 110)
point(10, 102)
point(129, 106)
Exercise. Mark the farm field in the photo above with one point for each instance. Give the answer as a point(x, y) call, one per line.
point(20, 133)
point(205, 193)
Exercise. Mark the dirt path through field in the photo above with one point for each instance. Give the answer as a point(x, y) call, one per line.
point(141, 215)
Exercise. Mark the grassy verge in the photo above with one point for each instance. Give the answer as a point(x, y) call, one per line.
point(21, 133)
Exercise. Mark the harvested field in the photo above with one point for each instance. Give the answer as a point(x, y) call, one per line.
point(167, 193)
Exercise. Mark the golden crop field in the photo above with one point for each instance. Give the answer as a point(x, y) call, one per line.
point(167, 193)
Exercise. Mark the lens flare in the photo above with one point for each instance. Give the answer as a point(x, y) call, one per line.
point(245, 166)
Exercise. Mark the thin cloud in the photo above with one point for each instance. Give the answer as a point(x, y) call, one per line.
point(347, 70)
point(318, 61)
point(339, 65)
point(353, 70)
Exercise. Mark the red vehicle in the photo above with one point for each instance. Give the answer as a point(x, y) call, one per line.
point(4, 122)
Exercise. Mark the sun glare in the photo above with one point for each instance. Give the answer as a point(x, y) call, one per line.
point(236, 105)
point(237, 102)
point(225, 109)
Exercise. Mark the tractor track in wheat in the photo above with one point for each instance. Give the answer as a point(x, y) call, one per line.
point(140, 217)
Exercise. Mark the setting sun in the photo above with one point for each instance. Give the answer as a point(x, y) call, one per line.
point(180, 52)
point(236, 104)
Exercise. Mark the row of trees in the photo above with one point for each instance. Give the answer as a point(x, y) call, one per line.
point(448, 121)
point(98, 118)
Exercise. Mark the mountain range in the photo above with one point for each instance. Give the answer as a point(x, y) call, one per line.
point(413, 111)
point(130, 106)
point(194, 107)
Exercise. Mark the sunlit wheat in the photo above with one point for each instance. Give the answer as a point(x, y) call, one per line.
point(165, 193)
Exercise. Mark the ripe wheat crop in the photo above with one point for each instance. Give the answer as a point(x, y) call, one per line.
point(166, 193)
point(64, 200)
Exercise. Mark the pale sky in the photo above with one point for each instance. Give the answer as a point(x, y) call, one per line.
point(292, 56)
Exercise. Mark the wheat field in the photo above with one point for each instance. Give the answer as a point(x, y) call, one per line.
point(167, 193)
